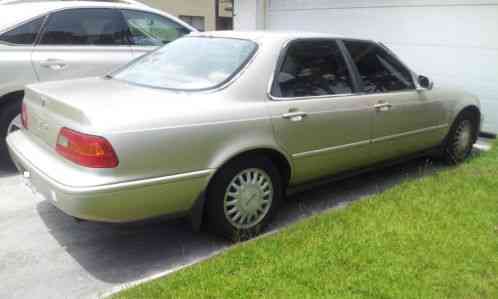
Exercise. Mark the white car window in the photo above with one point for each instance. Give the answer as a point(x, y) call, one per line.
point(23, 35)
point(147, 29)
point(85, 26)
point(190, 63)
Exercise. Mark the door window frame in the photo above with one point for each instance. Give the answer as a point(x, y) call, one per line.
point(281, 59)
point(7, 30)
point(413, 75)
point(48, 16)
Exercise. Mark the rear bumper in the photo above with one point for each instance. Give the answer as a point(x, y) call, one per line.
point(119, 202)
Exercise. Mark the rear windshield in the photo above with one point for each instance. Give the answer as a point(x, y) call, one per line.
point(190, 63)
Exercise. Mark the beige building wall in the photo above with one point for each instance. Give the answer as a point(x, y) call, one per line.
point(225, 9)
point(201, 8)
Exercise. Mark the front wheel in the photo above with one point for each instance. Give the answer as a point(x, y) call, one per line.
point(243, 198)
point(461, 139)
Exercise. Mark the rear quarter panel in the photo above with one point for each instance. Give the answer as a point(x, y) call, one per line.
point(215, 127)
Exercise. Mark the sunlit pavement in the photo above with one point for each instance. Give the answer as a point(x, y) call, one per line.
point(46, 254)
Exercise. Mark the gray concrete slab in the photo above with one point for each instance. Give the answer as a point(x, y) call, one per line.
point(46, 254)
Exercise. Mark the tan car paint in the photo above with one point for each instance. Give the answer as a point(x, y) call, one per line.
point(170, 143)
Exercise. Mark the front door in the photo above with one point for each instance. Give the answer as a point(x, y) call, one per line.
point(317, 116)
point(406, 120)
point(82, 42)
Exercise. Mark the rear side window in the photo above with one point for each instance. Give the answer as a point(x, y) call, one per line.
point(379, 70)
point(147, 29)
point(88, 26)
point(24, 34)
point(313, 68)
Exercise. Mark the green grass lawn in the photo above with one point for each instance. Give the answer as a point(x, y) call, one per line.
point(435, 237)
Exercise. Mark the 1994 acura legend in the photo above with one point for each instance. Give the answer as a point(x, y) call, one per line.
point(218, 125)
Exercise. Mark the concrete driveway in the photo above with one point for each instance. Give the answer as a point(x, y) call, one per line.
point(46, 254)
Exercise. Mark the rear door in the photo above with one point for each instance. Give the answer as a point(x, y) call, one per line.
point(81, 42)
point(405, 119)
point(317, 115)
point(148, 31)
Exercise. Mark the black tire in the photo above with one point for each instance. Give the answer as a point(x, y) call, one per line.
point(461, 138)
point(8, 112)
point(217, 218)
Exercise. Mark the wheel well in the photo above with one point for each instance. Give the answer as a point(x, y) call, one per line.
point(12, 96)
point(280, 161)
point(277, 158)
point(476, 114)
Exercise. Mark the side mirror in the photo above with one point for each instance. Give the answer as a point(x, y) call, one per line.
point(425, 82)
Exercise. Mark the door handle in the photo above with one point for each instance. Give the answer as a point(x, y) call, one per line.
point(54, 64)
point(382, 107)
point(295, 116)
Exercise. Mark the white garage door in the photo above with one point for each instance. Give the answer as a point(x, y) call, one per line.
point(453, 42)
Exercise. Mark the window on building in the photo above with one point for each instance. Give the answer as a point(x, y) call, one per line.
point(313, 68)
point(379, 70)
point(197, 22)
point(86, 26)
point(24, 34)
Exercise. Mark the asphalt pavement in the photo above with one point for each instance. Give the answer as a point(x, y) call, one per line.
point(47, 254)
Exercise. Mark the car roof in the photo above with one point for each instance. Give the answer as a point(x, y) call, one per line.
point(15, 13)
point(259, 36)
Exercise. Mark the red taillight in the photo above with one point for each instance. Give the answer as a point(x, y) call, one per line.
point(86, 150)
point(24, 116)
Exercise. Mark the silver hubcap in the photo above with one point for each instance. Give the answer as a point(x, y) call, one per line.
point(248, 198)
point(463, 139)
point(15, 124)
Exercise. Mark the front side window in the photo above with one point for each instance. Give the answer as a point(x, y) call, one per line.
point(147, 29)
point(190, 63)
point(379, 70)
point(313, 68)
point(24, 34)
point(86, 26)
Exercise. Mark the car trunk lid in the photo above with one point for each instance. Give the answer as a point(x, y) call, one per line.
point(45, 116)
point(104, 106)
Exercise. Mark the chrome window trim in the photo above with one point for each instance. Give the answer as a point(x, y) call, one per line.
point(413, 75)
point(282, 51)
point(313, 97)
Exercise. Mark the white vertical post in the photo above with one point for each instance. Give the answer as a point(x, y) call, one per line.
point(249, 15)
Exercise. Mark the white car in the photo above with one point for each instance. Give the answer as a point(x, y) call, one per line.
point(58, 40)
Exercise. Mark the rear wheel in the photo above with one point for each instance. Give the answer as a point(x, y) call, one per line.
point(243, 198)
point(10, 121)
point(461, 139)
